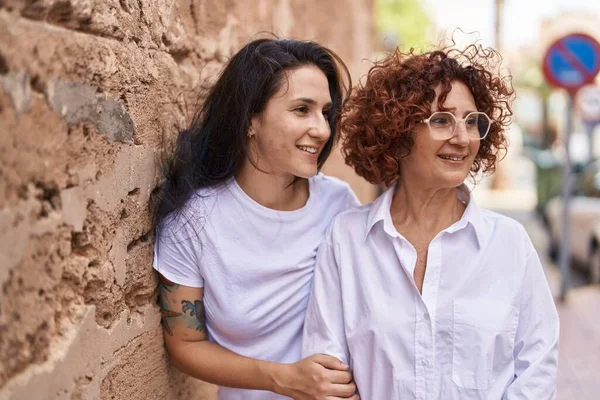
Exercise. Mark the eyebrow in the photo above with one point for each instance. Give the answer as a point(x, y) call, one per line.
point(467, 112)
point(310, 101)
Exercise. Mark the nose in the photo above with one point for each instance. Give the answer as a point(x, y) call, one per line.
point(320, 128)
point(461, 136)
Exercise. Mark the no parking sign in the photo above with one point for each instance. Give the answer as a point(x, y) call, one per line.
point(572, 61)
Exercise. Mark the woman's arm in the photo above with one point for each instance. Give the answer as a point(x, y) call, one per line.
point(185, 334)
point(536, 341)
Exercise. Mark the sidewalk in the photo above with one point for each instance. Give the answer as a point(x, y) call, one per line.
point(579, 363)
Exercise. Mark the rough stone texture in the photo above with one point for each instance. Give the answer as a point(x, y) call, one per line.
point(79, 103)
point(88, 89)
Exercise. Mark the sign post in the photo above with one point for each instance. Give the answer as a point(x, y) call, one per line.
point(570, 63)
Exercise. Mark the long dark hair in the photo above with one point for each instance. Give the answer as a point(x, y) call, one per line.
point(215, 144)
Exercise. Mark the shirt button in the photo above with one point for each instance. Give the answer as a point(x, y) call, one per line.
point(424, 363)
point(426, 316)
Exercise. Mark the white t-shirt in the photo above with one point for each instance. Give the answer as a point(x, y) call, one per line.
point(255, 265)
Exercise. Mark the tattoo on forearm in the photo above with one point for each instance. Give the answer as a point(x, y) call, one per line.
point(195, 309)
point(166, 286)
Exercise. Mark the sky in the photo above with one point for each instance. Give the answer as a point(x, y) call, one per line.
point(521, 17)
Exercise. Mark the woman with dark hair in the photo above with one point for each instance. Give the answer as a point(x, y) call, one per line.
point(425, 295)
point(239, 219)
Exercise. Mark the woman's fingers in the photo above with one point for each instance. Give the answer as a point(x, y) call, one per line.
point(342, 391)
point(353, 397)
point(335, 379)
point(330, 362)
point(342, 377)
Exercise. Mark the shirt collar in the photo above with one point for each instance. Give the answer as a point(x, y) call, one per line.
point(471, 217)
point(380, 211)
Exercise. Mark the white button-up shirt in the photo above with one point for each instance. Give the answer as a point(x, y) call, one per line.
point(484, 327)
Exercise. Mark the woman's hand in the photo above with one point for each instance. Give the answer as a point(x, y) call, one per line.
point(318, 377)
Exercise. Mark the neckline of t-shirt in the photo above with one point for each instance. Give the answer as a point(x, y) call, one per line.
point(269, 212)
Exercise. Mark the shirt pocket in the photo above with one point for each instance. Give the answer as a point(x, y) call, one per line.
point(483, 341)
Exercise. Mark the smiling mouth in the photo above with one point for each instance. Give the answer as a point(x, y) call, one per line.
point(452, 158)
point(310, 150)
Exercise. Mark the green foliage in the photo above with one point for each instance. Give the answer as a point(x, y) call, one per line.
point(532, 77)
point(404, 19)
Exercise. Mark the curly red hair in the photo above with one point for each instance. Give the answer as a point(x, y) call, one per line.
point(379, 118)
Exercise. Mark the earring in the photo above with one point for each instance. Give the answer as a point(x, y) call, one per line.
point(250, 134)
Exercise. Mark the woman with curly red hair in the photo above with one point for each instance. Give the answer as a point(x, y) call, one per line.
point(424, 294)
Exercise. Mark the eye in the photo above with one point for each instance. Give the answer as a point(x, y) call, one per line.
point(471, 121)
point(440, 121)
point(301, 110)
point(327, 113)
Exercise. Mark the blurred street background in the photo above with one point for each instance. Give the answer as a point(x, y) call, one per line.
point(527, 185)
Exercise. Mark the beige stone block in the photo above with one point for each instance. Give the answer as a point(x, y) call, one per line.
point(83, 356)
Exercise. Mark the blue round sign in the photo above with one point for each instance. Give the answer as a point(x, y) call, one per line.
point(572, 61)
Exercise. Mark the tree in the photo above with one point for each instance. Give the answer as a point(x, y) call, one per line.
point(402, 22)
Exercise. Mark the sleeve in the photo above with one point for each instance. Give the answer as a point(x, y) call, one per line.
point(536, 341)
point(324, 324)
point(176, 252)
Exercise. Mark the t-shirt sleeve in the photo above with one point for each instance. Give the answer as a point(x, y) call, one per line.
point(177, 252)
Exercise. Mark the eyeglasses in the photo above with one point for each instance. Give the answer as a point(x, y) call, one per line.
point(442, 125)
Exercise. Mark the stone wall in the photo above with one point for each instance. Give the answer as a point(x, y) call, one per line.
point(87, 90)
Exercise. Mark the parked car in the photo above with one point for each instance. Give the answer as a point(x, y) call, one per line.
point(584, 222)
point(549, 166)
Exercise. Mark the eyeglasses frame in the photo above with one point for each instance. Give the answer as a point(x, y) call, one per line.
point(457, 120)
